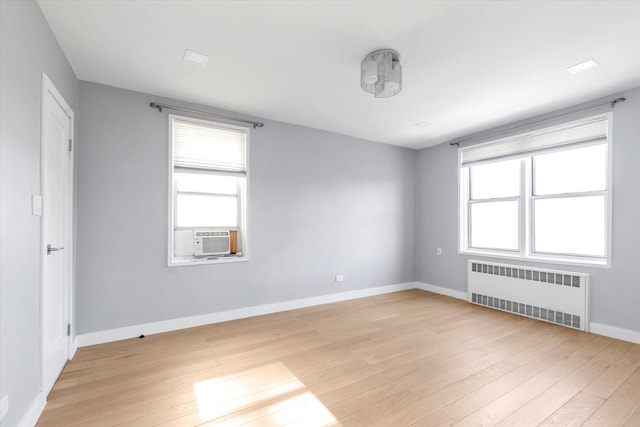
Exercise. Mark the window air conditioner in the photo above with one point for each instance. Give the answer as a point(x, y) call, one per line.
point(211, 242)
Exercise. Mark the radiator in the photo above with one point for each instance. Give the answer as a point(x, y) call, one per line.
point(559, 297)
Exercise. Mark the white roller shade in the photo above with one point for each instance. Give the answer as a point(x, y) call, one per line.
point(589, 130)
point(201, 146)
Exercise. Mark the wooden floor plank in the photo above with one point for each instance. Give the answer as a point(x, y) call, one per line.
point(546, 403)
point(618, 408)
point(538, 360)
point(610, 380)
point(574, 412)
point(513, 400)
point(634, 418)
point(405, 358)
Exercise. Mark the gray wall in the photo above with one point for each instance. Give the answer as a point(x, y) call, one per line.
point(320, 204)
point(27, 48)
point(615, 292)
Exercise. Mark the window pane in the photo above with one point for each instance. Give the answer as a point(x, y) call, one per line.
point(494, 225)
point(499, 179)
point(206, 183)
point(571, 171)
point(574, 225)
point(206, 211)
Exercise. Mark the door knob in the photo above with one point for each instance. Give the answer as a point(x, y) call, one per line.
point(50, 249)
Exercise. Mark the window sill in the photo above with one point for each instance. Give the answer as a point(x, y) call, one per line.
point(183, 262)
point(582, 262)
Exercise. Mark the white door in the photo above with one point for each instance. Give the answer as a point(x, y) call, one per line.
point(56, 214)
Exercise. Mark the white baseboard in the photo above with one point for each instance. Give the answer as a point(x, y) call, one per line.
point(73, 348)
point(100, 337)
point(615, 332)
point(30, 418)
point(442, 290)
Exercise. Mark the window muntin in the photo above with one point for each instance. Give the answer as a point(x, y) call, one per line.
point(211, 183)
point(564, 205)
point(208, 186)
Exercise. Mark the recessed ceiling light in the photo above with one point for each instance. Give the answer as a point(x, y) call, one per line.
point(195, 58)
point(422, 124)
point(583, 66)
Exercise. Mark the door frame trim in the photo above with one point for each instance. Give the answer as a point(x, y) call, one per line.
point(49, 89)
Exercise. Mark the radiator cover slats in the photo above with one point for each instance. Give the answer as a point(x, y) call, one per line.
point(559, 297)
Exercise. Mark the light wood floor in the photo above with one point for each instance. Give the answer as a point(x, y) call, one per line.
point(407, 358)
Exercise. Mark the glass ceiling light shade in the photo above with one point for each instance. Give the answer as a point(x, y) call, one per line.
point(381, 73)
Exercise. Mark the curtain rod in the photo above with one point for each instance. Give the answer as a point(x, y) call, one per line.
point(204, 113)
point(612, 104)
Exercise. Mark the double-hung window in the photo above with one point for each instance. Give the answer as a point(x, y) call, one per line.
point(208, 186)
point(543, 196)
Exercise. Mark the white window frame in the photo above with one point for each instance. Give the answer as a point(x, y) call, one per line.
point(243, 200)
point(526, 231)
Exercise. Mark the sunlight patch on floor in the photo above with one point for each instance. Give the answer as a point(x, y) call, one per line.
point(308, 412)
point(221, 396)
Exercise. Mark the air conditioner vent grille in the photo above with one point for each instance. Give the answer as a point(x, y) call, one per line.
point(212, 233)
point(211, 242)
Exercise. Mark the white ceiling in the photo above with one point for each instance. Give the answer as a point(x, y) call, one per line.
point(468, 66)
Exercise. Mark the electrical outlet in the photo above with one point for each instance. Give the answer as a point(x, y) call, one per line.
point(4, 407)
point(339, 277)
point(439, 251)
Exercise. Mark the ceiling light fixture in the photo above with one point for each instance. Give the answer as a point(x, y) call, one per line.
point(583, 66)
point(195, 58)
point(381, 73)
